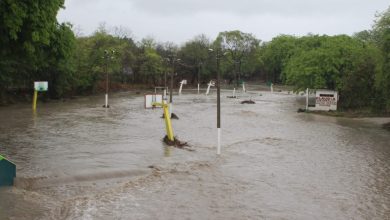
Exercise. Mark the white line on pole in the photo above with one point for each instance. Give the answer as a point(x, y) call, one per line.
point(106, 100)
point(219, 141)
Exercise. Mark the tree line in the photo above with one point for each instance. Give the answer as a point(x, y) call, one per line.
point(34, 47)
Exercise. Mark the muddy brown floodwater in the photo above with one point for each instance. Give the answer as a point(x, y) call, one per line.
point(77, 160)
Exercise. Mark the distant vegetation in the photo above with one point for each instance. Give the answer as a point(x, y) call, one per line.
point(34, 46)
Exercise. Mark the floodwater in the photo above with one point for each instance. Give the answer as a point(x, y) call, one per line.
point(77, 160)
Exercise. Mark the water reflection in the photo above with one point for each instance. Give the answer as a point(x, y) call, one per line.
point(167, 151)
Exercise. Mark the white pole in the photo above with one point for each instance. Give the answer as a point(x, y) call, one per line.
point(181, 87)
point(219, 142)
point(106, 101)
point(272, 87)
point(198, 88)
point(307, 99)
point(234, 92)
point(243, 87)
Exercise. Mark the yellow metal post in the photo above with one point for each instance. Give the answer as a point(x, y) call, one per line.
point(168, 123)
point(34, 106)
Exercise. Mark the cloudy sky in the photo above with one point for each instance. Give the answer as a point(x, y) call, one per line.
point(181, 20)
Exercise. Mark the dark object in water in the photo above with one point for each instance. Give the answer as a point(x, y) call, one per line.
point(173, 116)
point(232, 97)
point(386, 126)
point(137, 92)
point(104, 106)
point(247, 102)
point(301, 110)
point(177, 143)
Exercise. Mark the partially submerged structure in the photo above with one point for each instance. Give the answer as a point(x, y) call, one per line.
point(324, 100)
point(7, 172)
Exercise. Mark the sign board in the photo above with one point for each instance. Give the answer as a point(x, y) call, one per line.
point(41, 86)
point(325, 100)
point(184, 82)
point(151, 98)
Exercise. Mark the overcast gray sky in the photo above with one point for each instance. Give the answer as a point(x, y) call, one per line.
point(181, 20)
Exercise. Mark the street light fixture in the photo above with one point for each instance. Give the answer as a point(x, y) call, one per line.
point(172, 61)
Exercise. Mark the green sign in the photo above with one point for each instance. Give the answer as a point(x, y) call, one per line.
point(41, 86)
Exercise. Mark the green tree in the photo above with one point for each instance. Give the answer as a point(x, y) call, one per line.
point(33, 46)
point(150, 63)
point(195, 56)
point(238, 46)
point(275, 54)
point(381, 33)
point(338, 63)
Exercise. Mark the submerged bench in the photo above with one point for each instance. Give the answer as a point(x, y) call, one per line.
point(7, 172)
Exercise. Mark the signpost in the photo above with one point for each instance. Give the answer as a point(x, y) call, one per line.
point(40, 86)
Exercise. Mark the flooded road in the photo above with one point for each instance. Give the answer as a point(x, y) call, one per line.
point(77, 160)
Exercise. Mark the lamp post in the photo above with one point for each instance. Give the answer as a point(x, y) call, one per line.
point(107, 58)
point(218, 55)
point(199, 69)
point(172, 60)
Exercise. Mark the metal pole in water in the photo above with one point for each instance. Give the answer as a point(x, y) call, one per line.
point(34, 106)
point(218, 56)
point(106, 88)
point(168, 123)
point(218, 107)
point(234, 92)
point(171, 89)
point(198, 88)
point(106, 105)
point(107, 57)
point(307, 99)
